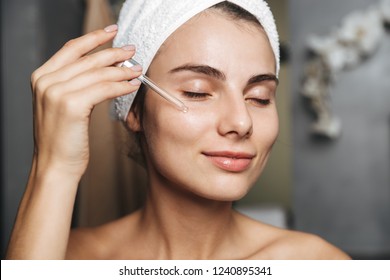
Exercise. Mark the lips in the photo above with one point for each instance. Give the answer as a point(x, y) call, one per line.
point(230, 161)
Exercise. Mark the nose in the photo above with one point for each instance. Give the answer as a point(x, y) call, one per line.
point(235, 120)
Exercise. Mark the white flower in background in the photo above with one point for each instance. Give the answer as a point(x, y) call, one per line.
point(362, 31)
point(358, 36)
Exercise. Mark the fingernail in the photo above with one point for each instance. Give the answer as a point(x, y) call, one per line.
point(111, 28)
point(128, 48)
point(135, 82)
point(136, 68)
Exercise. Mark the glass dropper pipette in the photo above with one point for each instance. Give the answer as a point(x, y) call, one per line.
point(146, 81)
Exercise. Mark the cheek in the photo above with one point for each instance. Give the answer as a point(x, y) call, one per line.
point(168, 130)
point(266, 130)
point(274, 127)
point(173, 143)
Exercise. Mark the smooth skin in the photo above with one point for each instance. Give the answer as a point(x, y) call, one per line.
point(188, 212)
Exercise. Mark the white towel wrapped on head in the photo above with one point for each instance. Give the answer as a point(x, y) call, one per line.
point(148, 23)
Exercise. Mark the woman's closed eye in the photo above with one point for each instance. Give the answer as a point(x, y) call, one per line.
point(260, 95)
point(259, 101)
point(196, 95)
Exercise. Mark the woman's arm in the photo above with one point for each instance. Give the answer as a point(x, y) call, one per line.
point(43, 222)
point(65, 90)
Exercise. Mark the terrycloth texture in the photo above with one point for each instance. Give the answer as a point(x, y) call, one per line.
point(148, 23)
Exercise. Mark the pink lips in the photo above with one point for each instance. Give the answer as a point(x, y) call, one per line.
point(230, 161)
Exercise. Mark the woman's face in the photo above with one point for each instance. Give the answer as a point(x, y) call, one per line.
point(224, 72)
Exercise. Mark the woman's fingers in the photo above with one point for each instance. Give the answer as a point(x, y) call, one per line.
point(80, 94)
point(96, 76)
point(78, 105)
point(103, 58)
point(100, 59)
point(90, 88)
point(102, 91)
point(74, 49)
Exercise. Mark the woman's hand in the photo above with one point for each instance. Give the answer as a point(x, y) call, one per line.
point(66, 89)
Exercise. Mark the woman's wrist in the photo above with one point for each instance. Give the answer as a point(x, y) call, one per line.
point(63, 173)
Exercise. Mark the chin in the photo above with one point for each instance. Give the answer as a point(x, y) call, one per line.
point(229, 191)
point(228, 197)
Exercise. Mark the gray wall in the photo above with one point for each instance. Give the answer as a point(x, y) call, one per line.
point(341, 189)
point(31, 30)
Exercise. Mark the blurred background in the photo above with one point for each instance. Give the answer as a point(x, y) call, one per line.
point(329, 171)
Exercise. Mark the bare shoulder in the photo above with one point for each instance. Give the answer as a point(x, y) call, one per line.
point(98, 242)
point(282, 244)
point(302, 246)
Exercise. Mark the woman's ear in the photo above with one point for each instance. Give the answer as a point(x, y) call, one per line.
point(133, 120)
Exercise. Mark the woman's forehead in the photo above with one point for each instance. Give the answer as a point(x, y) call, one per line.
point(213, 28)
point(211, 36)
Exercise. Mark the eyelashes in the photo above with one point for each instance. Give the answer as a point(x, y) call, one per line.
point(195, 95)
point(259, 102)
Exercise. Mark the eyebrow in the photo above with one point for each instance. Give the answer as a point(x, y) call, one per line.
point(201, 69)
point(263, 77)
point(217, 74)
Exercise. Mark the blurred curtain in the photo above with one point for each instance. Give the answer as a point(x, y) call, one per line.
point(113, 184)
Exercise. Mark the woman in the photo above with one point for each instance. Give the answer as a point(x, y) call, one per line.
point(223, 64)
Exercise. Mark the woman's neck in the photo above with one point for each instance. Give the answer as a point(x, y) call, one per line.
point(181, 225)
